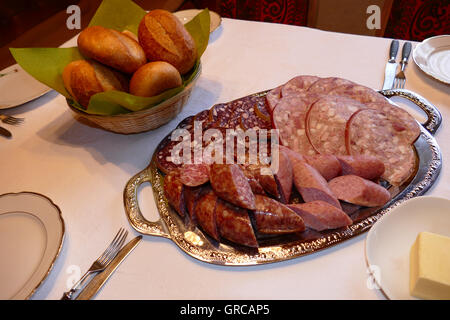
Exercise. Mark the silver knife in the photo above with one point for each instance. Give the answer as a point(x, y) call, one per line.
point(5, 132)
point(391, 66)
point(99, 280)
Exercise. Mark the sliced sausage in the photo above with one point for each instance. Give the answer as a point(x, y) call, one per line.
point(403, 122)
point(365, 166)
point(234, 224)
point(230, 183)
point(254, 183)
point(272, 97)
point(191, 196)
point(326, 123)
point(370, 132)
point(289, 118)
point(194, 175)
point(327, 165)
point(325, 85)
point(310, 183)
point(266, 179)
point(360, 191)
point(320, 215)
point(298, 84)
point(284, 175)
point(358, 92)
point(174, 192)
point(206, 215)
point(273, 217)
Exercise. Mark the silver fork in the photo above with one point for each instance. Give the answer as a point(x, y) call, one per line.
point(400, 79)
point(11, 120)
point(101, 263)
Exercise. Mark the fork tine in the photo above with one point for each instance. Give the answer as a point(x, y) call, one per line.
point(111, 245)
point(117, 247)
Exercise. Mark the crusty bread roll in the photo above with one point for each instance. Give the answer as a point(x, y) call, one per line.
point(84, 78)
point(131, 35)
point(164, 38)
point(111, 48)
point(154, 78)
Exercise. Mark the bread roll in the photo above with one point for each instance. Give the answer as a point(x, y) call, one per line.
point(164, 38)
point(84, 78)
point(154, 78)
point(131, 35)
point(111, 48)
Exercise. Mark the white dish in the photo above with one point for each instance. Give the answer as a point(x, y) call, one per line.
point(433, 57)
point(187, 15)
point(18, 87)
point(31, 237)
point(389, 241)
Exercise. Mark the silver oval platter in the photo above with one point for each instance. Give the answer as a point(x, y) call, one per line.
point(200, 246)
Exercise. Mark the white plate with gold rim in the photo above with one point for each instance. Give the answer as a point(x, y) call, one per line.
point(18, 87)
point(31, 237)
point(186, 15)
point(433, 56)
point(389, 241)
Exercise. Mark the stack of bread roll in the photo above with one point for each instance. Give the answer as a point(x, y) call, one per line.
point(143, 65)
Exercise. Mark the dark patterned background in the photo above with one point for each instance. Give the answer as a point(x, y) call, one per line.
point(409, 19)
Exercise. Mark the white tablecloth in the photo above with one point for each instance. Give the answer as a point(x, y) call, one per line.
point(84, 171)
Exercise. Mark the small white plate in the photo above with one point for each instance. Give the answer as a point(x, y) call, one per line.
point(31, 237)
point(18, 87)
point(433, 56)
point(389, 241)
point(187, 15)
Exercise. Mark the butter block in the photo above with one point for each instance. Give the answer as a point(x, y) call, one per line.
point(430, 267)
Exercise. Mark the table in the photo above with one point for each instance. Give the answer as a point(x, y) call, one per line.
point(84, 171)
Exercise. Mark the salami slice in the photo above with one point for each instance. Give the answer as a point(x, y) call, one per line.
point(326, 122)
point(174, 192)
point(273, 217)
point(358, 92)
point(320, 215)
point(273, 97)
point(204, 117)
point(403, 122)
point(359, 191)
point(206, 215)
point(163, 156)
point(220, 114)
point(325, 85)
point(289, 118)
point(194, 175)
point(298, 84)
point(234, 224)
point(262, 110)
point(230, 183)
point(370, 132)
point(250, 120)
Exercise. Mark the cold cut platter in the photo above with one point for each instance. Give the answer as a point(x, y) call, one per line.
point(286, 172)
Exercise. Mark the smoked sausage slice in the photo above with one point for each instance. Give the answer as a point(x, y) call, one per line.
point(234, 224)
point(284, 176)
point(320, 215)
point(206, 215)
point(230, 183)
point(174, 191)
point(360, 191)
point(309, 182)
point(327, 165)
point(364, 166)
point(194, 175)
point(273, 217)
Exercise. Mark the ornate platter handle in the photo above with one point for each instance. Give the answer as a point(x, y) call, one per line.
point(133, 212)
point(434, 116)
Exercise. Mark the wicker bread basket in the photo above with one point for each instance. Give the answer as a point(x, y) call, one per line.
point(143, 120)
